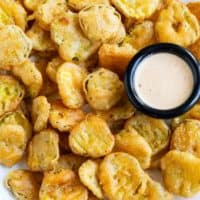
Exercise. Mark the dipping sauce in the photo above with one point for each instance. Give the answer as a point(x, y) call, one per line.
point(163, 81)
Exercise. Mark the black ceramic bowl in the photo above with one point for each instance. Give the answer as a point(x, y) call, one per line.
point(183, 53)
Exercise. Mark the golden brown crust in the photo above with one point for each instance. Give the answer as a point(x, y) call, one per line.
point(23, 184)
point(91, 137)
point(12, 93)
point(155, 131)
point(62, 184)
point(103, 89)
point(64, 119)
point(38, 160)
point(181, 173)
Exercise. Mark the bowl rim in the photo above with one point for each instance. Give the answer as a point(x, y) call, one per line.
point(177, 50)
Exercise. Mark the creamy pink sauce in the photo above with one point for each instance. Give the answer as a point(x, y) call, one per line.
point(164, 81)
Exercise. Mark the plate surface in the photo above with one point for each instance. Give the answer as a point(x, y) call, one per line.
point(5, 195)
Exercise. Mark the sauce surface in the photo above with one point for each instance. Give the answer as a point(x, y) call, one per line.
point(164, 81)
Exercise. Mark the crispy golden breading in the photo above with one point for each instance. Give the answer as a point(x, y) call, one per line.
point(154, 191)
point(64, 119)
point(121, 176)
point(40, 39)
point(62, 184)
point(73, 45)
point(32, 4)
point(195, 49)
point(141, 35)
point(193, 113)
point(186, 137)
point(17, 118)
point(15, 11)
point(155, 131)
point(52, 68)
point(131, 142)
point(115, 57)
point(30, 76)
point(122, 111)
point(70, 161)
point(194, 8)
point(91, 137)
point(106, 22)
point(13, 140)
point(48, 87)
point(103, 89)
point(80, 4)
point(43, 151)
point(15, 46)
point(48, 10)
point(176, 24)
point(23, 184)
point(70, 79)
point(137, 10)
point(40, 113)
point(181, 173)
point(11, 94)
point(5, 19)
point(88, 172)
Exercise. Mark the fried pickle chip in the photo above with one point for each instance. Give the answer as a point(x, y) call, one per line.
point(176, 24)
point(52, 68)
point(19, 119)
point(70, 161)
point(23, 184)
point(131, 142)
point(194, 8)
point(48, 10)
point(181, 173)
point(121, 176)
point(13, 140)
point(103, 89)
point(40, 113)
point(43, 151)
point(80, 4)
point(122, 111)
point(30, 76)
point(137, 10)
point(91, 137)
point(155, 191)
point(48, 87)
point(32, 4)
point(64, 119)
point(15, 11)
point(88, 172)
point(115, 57)
point(40, 39)
point(62, 184)
point(141, 35)
point(15, 46)
point(186, 137)
point(5, 19)
point(155, 131)
point(70, 78)
point(106, 22)
point(73, 45)
point(193, 113)
point(11, 94)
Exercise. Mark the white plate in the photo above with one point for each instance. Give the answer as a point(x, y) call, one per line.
point(5, 195)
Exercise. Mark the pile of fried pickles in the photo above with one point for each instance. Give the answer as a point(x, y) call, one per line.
point(64, 109)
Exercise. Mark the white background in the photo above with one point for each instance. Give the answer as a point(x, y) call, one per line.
point(5, 195)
